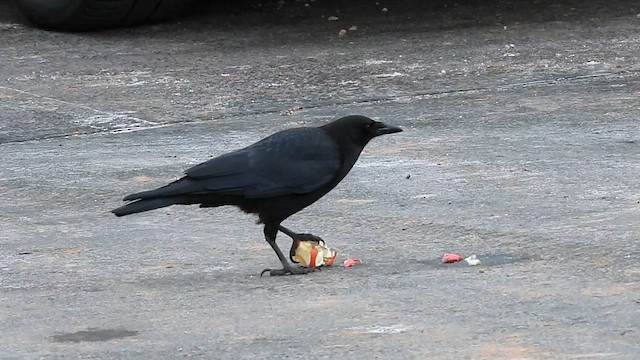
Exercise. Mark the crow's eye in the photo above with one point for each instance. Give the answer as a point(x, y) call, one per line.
point(370, 125)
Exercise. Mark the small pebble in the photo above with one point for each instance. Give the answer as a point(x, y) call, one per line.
point(353, 28)
point(342, 33)
point(332, 18)
point(385, 9)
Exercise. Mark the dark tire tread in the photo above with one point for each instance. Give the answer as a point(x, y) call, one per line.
point(84, 15)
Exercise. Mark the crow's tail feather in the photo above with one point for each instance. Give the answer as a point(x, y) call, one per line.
point(179, 187)
point(147, 204)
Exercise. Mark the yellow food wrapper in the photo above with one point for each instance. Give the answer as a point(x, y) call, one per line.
point(313, 254)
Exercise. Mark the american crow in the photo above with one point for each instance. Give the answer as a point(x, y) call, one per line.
point(273, 178)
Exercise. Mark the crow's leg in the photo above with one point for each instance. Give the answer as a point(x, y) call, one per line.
point(297, 238)
point(270, 233)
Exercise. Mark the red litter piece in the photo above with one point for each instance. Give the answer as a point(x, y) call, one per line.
point(451, 258)
point(351, 262)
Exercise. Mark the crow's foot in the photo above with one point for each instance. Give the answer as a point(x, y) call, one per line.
point(308, 237)
point(289, 270)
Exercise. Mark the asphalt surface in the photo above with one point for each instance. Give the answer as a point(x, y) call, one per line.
point(521, 145)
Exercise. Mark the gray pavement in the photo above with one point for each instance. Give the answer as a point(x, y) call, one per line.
point(521, 141)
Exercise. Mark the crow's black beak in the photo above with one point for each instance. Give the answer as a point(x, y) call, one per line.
point(386, 129)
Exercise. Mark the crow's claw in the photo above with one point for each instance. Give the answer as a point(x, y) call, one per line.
point(309, 237)
point(288, 271)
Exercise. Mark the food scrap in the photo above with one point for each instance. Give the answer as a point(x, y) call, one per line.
point(448, 258)
point(313, 254)
point(472, 260)
point(351, 262)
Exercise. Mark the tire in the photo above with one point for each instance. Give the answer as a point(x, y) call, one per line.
point(83, 15)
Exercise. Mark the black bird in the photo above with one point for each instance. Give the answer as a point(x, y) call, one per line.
point(273, 178)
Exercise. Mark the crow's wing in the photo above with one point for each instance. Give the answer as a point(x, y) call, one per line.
point(294, 161)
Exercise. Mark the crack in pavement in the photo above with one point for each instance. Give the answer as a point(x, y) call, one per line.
point(77, 105)
point(237, 114)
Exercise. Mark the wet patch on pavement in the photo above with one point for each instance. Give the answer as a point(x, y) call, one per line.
point(93, 334)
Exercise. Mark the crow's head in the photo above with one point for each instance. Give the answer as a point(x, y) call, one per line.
point(360, 129)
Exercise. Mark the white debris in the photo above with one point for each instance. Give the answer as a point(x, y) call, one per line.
point(332, 18)
point(377, 62)
point(353, 28)
point(10, 26)
point(378, 329)
point(385, 9)
point(342, 33)
point(389, 75)
point(472, 260)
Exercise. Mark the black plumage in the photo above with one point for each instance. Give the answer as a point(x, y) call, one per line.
point(273, 178)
